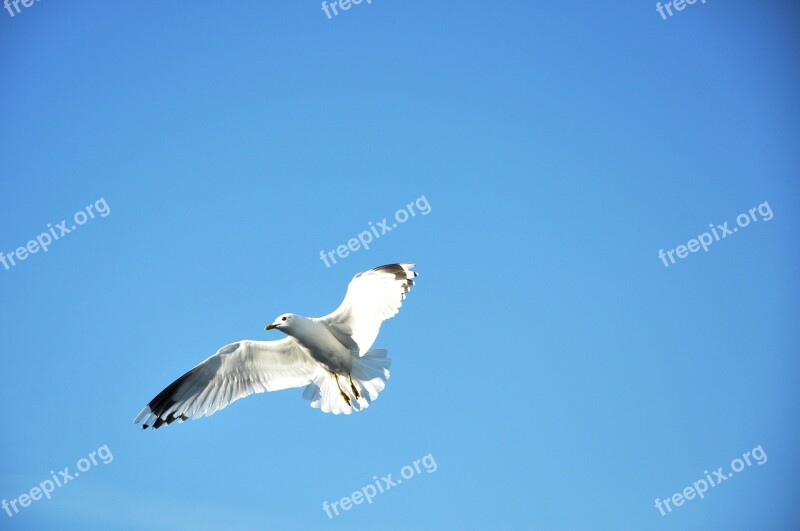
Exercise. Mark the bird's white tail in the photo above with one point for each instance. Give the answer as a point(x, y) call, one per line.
point(369, 374)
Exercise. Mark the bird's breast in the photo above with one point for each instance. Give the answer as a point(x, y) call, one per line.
point(323, 346)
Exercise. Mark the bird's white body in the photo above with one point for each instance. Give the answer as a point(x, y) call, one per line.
point(317, 336)
point(331, 356)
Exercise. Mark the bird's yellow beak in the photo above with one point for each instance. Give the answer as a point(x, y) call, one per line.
point(270, 327)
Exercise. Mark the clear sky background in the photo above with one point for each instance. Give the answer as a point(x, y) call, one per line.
point(559, 374)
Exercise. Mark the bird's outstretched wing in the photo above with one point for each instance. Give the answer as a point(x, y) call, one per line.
point(235, 371)
point(372, 297)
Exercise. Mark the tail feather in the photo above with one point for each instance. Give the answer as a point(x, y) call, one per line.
point(369, 374)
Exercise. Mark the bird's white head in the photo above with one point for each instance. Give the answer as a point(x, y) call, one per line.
point(282, 322)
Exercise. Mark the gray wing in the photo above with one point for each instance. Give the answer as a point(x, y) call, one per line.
point(371, 298)
point(235, 371)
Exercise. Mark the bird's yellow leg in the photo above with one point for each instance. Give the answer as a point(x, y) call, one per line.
point(353, 387)
point(346, 398)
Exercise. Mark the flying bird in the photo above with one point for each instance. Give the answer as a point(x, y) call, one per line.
point(331, 356)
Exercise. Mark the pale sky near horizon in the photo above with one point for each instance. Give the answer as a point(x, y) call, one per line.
point(557, 372)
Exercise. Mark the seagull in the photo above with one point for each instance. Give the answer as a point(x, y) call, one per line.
point(331, 356)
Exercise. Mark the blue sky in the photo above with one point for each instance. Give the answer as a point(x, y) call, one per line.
point(559, 374)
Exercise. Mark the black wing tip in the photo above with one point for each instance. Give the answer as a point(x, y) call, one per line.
point(396, 268)
point(164, 401)
point(169, 420)
point(401, 271)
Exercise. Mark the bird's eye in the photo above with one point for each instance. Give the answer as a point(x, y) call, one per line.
point(284, 318)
